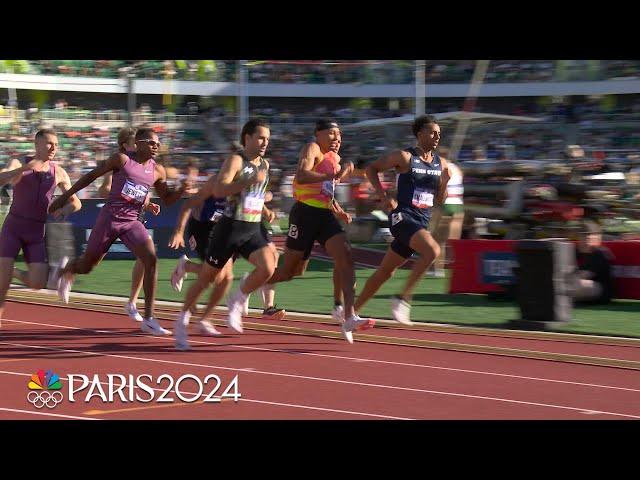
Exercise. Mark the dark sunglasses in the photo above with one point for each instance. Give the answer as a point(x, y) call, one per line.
point(151, 143)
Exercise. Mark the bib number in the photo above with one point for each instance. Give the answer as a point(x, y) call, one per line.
point(422, 199)
point(134, 193)
point(252, 204)
point(328, 188)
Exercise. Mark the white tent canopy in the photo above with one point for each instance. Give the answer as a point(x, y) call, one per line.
point(447, 116)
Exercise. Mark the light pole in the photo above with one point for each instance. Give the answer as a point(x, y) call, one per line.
point(131, 96)
point(421, 89)
point(242, 94)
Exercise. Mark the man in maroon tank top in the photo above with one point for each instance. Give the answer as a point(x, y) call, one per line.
point(119, 218)
point(33, 186)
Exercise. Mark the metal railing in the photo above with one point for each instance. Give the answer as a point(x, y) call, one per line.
point(114, 116)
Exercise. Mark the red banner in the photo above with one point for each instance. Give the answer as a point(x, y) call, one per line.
point(480, 266)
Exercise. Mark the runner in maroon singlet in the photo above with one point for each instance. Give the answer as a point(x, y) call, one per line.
point(119, 218)
point(33, 186)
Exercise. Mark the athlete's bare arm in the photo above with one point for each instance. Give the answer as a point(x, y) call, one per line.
point(400, 160)
point(268, 214)
point(105, 188)
point(205, 192)
point(12, 175)
point(345, 170)
point(64, 183)
point(309, 157)
point(12, 172)
point(198, 199)
point(11, 165)
point(339, 212)
point(153, 208)
point(226, 186)
point(115, 161)
point(167, 196)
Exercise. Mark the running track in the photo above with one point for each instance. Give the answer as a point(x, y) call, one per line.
point(301, 368)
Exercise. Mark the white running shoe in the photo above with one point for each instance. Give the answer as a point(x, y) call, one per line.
point(131, 310)
point(400, 310)
point(436, 273)
point(347, 334)
point(179, 273)
point(355, 323)
point(338, 314)
point(245, 305)
point(64, 282)
point(235, 302)
point(151, 325)
point(207, 328)
point(439, 273)
point(180, 333)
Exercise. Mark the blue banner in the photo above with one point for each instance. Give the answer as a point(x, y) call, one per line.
point(497, 267)
point(160, 228)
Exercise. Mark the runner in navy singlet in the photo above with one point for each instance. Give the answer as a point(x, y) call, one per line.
point(421, 184)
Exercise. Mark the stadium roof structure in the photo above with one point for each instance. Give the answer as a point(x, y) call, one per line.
point(443, 117)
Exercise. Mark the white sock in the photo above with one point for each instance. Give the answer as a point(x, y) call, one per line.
point(184, 317)
point(267, 288)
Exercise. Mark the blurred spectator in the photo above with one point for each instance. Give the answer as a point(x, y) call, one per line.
point(479, 153)
point(446, 220)
point(594, 282)
point(192, 175)
point(332, 71)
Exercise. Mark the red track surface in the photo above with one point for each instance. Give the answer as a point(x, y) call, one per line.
point(286, 376)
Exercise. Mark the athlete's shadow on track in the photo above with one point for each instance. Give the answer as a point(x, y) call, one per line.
point(59, 340)
point(27, 336)
point(6, 334)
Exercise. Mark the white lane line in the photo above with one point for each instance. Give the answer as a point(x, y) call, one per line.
point(355, 359)
point(322, 379)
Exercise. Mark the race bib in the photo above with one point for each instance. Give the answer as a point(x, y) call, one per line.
point(422, 199)
point(134, 193)
point(328, 188)
point(216, 216)
point(252, 204)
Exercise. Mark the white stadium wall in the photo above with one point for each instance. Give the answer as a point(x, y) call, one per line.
point(183, 87)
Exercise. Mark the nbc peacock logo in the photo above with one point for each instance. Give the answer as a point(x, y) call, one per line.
point(44, 389)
